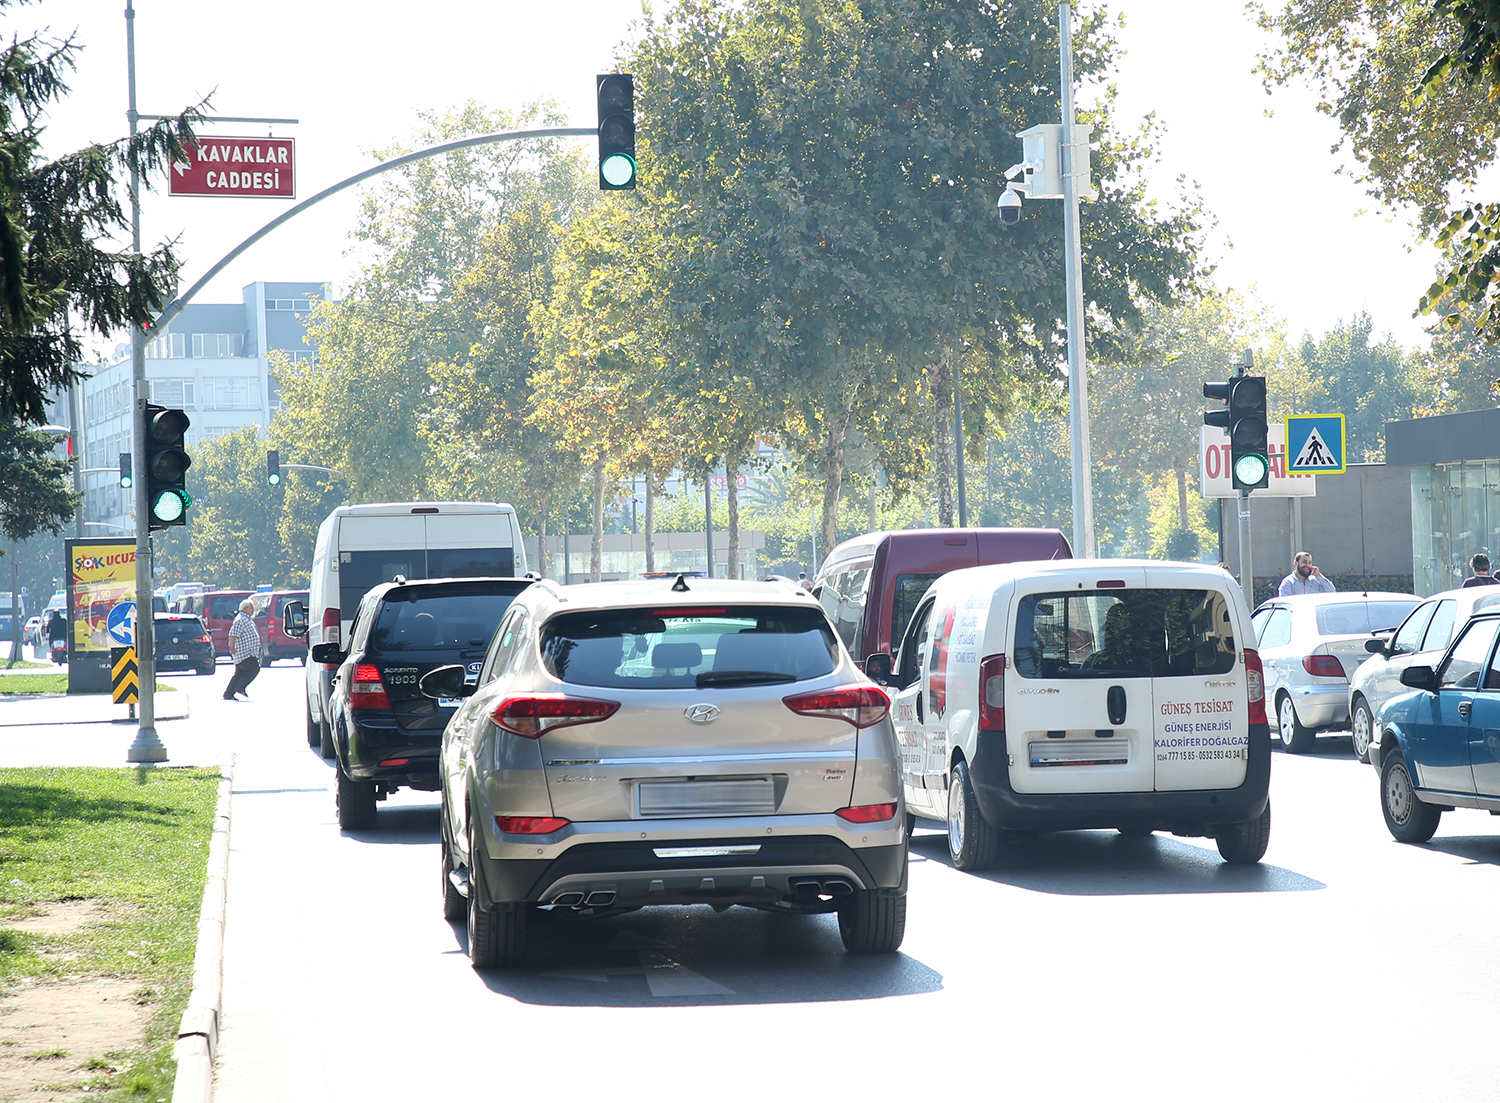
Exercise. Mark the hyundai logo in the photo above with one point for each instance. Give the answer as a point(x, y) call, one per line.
point(702, 714)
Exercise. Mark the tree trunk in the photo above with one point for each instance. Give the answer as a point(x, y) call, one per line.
point(650, 524)
point(873, 522)
point(1182, 516)
point(942, 438)
point(541, 541)
point(833, 472)
point(731, 482)
point(596, 546)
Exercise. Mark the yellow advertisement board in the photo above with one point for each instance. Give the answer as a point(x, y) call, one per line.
point(102, 574)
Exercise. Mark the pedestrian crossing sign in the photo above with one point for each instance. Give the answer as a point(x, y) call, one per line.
point(1315, 443)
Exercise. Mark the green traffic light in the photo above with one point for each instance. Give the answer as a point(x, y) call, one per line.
point(274, 478)
point(1251, 469)
point(127, 481)
point(618, 169)
point(170, 505)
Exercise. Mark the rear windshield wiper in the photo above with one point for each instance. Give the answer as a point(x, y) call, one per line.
point(741, 677)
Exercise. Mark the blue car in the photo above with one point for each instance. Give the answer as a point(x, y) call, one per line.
point(1439, 743)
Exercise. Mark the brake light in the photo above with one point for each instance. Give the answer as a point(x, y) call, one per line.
point(1255, 682)
point(860, 705)
point(868, 813)
point(1323, 666)
point(205, 638)
point(537, 713)
point(394, 761)
point(530, 825)
point(992, 694)
point(367, 691)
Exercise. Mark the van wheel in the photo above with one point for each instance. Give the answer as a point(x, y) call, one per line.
point(498, 933)
point(325, 740)
point(1244, 844)
point(872, 923)
point(1410, 819)
point(1295, 739)
point(356, 803)
point(972, 843)
point(1361, 727)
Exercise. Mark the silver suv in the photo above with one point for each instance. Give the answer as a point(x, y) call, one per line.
point(637, 743)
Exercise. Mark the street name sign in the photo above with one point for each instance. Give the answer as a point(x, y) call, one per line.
point(1213, 467)
point(1315, 443)
point(264, 168)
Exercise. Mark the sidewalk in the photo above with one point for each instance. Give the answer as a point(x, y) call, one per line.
point(91, 730)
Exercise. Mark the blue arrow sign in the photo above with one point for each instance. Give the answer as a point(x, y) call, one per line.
point(121, 624)
point(1315, 443)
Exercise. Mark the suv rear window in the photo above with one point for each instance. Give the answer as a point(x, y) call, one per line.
point(688, 648)
point(175, 631)
point(428, 618)
point(1124, 634)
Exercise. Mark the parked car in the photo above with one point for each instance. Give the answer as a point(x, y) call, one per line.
point(639, 743)
point(385, 732)
point(1114, 693)
point(1310, 645)
point(217, 610)
point(1439, 743)
point(182, 643)
point(1420, 640)
point(275, 643)
point(32, 633)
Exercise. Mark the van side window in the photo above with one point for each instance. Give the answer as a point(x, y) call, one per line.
point(910, 589)
point(913, 653)
point(1128, 633)
point(843, 599)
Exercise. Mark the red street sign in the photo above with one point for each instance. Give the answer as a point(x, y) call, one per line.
point(258, 167)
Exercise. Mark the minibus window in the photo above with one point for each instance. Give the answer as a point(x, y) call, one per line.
point(910, 589)
point(1124, 634)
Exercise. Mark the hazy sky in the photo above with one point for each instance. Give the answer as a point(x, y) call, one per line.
point(355, 72)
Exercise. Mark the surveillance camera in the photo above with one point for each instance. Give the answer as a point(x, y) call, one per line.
point(1010, 208)
point(1015, 170)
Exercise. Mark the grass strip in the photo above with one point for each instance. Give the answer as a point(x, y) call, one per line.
point(19, 684)
point(135, 843)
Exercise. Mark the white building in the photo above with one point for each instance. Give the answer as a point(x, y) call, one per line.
point(211, 361)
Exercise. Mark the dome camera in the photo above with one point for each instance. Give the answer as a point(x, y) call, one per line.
point(1010, 208)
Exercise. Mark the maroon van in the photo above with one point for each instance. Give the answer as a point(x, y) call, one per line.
point(870, 585)
point(275, 643)
point(217, 611)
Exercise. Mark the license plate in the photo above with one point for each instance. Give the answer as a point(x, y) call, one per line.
point(747, 796)
point(449, 702)
point(172, 658)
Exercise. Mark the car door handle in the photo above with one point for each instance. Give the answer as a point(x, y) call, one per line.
point(1464, 708)
point(920, 720)
point(1115, 702)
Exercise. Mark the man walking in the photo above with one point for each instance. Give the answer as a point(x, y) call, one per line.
point(1479, 563)
point(244, 645)
point(1304, 579)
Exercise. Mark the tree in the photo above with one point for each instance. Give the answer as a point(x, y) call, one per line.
point(34, 494)
point(1370, 384)
point(58, 277)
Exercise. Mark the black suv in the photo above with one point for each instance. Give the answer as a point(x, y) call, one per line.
point(386, 734)
point(182, 643)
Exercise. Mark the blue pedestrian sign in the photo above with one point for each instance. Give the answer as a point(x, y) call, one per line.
point(121, 624)
point(1315, 444)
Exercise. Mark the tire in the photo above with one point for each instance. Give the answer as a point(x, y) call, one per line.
point(911, 823)
point(206, 669)
point(872, 922)
point(498, 933)
point(454, 904)
point(314, 734)
point(1409, 819)
point(1361, 729)
point(325, 740)
point(972, 843)
point(1244, 844)
point(356, 803)
point(1295, 739)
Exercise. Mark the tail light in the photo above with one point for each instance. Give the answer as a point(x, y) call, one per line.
point(1255, 681)
point(530, 825)
point(868, 813)
point(367, 691)
point(1323, 666)
point(992, 694)
point(533, 715)
point(860, 705)
point(205, 638)
point(331, 625)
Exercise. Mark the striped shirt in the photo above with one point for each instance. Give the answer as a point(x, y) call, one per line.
point(244, 638)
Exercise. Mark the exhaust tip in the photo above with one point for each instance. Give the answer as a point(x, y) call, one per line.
point(600, 899)
point(569, 899)
point(838, 888)
point(807, 888)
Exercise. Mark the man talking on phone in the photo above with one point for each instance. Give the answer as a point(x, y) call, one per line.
point(1304, 579)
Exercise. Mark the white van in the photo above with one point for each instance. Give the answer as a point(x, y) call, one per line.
point(362, 546)
point(1083, 694)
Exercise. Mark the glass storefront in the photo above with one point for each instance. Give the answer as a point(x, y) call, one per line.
point(1455, 512)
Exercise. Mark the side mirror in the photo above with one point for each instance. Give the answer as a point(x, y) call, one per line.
point(294, 619)
point(1375, 646)
point(327, 653)
point(1418, 677)
point(445, 681)
point(878, 668)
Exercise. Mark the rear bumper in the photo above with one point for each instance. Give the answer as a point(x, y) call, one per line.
point(369, 745)
point(1321, 706)
point(1194, 812)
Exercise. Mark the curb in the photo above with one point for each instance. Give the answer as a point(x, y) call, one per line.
point(198, 1032)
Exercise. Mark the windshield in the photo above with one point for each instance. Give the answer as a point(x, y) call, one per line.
point(688, 648)
point(1124, 634)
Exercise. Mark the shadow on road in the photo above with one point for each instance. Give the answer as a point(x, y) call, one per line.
point(1103, 863)
point(689, 956)
point(401, 825)
point(1480, 850)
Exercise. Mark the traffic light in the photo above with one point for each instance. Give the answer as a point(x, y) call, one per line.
point(617, 168)
point(273, 467)
point(167, 499)
point(127, 479)
point(1244, 419)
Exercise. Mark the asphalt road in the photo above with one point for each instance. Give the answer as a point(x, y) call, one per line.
point(1089, 966)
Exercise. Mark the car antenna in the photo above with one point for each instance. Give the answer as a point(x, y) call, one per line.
point(680, 586)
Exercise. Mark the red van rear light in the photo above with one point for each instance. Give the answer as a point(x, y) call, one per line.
point(1323, 666)
point(992, 694)
point(868, 813)
point(530, 825)
point(367, 691)
point(860, 705)
point(537, 713)
point(1255, 680)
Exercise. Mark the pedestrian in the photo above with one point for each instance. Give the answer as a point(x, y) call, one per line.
point(803, 580)
point(1479, 563)
point(244, 645)
point(1304, 579)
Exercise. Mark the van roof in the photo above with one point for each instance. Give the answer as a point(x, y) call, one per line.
point(1094, 570)
point(866, 544)
point(401, 509)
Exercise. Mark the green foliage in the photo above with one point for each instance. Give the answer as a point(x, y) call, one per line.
point(1369, 384)
point(34, 493)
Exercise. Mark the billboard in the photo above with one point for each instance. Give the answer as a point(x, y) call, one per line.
point(101, 575)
